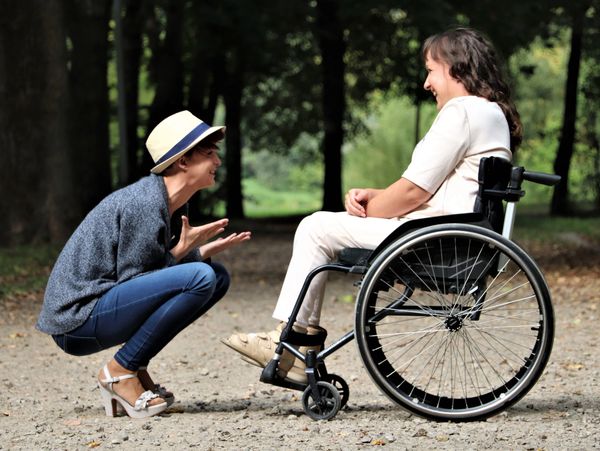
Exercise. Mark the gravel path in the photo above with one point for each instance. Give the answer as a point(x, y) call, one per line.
point(49, 400)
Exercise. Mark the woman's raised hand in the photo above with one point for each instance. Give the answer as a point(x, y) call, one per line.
point(193, 237)
point(220, 244)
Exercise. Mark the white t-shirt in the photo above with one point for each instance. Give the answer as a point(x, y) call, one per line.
point(445, 162)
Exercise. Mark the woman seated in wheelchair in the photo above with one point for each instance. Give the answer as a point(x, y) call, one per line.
point(476, 118)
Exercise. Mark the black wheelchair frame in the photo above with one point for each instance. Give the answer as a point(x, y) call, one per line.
point(453, 320)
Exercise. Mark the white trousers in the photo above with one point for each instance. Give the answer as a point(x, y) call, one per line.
point(317, 241)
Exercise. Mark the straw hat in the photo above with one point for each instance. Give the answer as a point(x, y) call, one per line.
point(174, 136)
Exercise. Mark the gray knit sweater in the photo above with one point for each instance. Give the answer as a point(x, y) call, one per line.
point(124, 236)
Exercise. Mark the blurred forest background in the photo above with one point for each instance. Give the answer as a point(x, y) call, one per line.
point(318, 96)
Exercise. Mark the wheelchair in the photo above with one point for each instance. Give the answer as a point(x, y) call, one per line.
point(453, 320)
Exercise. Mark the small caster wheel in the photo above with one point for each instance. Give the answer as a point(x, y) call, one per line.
point(324, 408)
point(342, 387)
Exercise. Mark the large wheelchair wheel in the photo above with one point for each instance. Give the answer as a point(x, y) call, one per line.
point(454, 322)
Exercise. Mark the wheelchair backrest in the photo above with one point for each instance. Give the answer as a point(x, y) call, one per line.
point(494, 178)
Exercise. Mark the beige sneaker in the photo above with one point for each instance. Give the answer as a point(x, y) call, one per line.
point(258, 348)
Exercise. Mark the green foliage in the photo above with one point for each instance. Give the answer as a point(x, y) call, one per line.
point(262, 201)
point(299, 170)
point(279, 185)
point(378, 157)
point(282, 111)
point(539, 73)
point(539, 101)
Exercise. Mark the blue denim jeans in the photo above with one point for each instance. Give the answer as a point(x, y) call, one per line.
point(147, 312)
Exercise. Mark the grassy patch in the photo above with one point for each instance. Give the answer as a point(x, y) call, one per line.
point(261, 202)
point(547, 229)
point(24, 269)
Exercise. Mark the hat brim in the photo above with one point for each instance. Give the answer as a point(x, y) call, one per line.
point(165, 164)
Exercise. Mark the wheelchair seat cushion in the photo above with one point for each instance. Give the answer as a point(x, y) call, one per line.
point(354, 256)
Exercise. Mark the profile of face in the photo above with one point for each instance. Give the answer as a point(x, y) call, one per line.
point(441, 84)
point(201, 166)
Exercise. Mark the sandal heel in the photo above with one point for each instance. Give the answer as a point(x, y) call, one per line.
point(110, 404)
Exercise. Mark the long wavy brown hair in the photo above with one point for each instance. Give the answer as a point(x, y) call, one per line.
point(473, 61)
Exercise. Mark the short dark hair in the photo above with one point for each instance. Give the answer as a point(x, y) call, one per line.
point(210, 141)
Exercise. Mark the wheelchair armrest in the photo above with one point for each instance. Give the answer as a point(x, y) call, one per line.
point(354, 256)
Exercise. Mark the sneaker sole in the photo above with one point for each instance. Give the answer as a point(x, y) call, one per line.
point(243, 356)
point(251, 361)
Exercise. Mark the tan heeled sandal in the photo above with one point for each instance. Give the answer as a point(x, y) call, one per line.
point(161, 391)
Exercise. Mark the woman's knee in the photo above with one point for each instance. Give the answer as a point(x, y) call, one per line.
point(201, 278)
point(223, 279)
point(310, 225)
point(320, 221)
point(317, 227)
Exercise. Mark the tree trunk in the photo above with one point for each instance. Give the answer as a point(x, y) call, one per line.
point(35, 176)
point(132, 53)
point(595, 145)
point(167, 74)
point(204, 91)
point(206, 85)
point(560, 199)
point(233, 156)
point(89, 111)
point(331, 42)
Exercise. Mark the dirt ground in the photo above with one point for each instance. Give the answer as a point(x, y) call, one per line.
point(49, 400)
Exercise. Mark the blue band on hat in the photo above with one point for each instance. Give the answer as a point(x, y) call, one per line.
point(185, 142)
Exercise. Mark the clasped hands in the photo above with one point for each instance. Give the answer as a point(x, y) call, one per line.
point(356, 201)
point(193, 237)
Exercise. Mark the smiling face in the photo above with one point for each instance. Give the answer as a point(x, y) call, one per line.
point(202, 166)
point(440, 82)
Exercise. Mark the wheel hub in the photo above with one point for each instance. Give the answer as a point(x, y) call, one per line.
point(453, 323)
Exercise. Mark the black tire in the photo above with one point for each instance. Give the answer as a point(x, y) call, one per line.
point(325, 408)
point(446, 334)
point(342, 387)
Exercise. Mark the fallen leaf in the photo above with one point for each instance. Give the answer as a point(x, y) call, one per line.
point(348, 298)
point(73, 422)
point(17, 335)
point(573, 366)
point(176, 409)
point(93, 444)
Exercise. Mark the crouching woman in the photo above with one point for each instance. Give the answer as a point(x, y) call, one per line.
point(136, 273)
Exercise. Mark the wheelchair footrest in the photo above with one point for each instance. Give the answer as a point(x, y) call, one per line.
point(269, 376)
